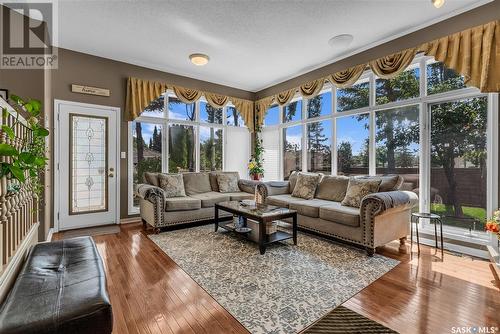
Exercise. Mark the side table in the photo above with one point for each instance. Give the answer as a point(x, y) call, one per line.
point(415, 218)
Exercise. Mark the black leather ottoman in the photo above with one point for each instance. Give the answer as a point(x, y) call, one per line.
point(60, 289)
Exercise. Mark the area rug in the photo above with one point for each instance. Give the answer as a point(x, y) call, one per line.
point(283, 291)
point(343, 320)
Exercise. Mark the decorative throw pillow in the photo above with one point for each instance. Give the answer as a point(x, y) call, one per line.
point(359, 188)
point(228, 183)
point(293, 180)
point(152, 178)
point(332, 188)
point(306, 185)
point(172, 185)
point(389, 182)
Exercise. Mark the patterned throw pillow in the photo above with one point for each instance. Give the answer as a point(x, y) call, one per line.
point(172, 185)
point(359, 188)
point(306, 185)
point(228, 183)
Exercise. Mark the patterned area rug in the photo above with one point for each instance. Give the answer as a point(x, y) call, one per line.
point(283, 291)
point(343, 320)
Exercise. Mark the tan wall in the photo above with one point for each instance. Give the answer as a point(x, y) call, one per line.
point(457, 23)
point(80, 68)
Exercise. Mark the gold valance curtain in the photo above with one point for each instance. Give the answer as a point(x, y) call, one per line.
point(347, 77)
point(391, 66)
point(140, 93)
point(474, 53)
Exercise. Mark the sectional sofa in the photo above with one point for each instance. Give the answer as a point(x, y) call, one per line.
point(381, 217)
point(201, 193)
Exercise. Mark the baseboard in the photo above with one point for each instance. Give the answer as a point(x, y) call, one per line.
point(10, 273)
point(130, 220)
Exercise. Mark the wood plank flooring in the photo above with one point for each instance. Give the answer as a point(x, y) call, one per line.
point(151, 294)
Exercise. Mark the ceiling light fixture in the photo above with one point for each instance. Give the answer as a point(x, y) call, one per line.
point(199, 59)
point(341, 41)
point(437, 3)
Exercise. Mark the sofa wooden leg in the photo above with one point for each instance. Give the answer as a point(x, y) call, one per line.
point(402, 245)
point(370, 251)
point(157, 230)
point(144, 224)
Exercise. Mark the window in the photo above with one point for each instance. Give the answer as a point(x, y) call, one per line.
point(354, 97)
point(443, 145)
point(397, 137)
point(272, 116)
point(320, 105)
point(352, 145)
point(233, 118)
point(405, 86)
point(210, 149)
point(292, 150)
point(209, 114)
point(180, 110)
point(292, 112)
point(458, 162)
point(319, 141)
point(146, 150)
point(441, 79)
point(171, 136)
point(181, 151)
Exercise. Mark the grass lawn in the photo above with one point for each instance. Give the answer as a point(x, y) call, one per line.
point(478, 214)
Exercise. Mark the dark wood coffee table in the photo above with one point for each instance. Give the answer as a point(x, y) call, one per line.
point(262, 214)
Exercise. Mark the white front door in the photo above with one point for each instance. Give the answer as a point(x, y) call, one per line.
point(87, 164)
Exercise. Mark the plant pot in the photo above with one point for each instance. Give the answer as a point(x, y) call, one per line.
point(256, 177)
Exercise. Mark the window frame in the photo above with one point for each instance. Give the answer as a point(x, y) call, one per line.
point(165, 121)
point(424, 101)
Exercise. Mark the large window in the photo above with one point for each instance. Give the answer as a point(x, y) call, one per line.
point(146, 150)
point(319, 142)
point(424, 125)
point(171, 136)
point(352, 145)
point(181, 150)
point(458, 162)
point(292, 150)
point(396, 135)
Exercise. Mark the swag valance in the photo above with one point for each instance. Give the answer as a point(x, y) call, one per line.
point(474, 53)
point(140, 93)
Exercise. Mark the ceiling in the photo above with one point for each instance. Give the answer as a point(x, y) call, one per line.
point(252, 44)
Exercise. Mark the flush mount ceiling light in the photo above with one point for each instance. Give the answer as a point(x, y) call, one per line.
point(341, 41)
point(437, 3)
point(199, 59)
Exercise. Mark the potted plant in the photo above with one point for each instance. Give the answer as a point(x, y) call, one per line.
point(493, 224)
point(255, 168)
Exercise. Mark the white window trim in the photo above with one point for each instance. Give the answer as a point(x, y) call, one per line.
point(164, 121)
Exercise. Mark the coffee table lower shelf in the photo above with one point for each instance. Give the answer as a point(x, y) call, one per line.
point(262, 217)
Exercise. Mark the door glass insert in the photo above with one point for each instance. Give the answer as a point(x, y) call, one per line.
point(88, 164)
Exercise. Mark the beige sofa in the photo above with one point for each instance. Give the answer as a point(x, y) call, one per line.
point(382, 217)
point(202, 192)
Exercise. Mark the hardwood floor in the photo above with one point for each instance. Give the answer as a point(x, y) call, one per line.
point(151, 294)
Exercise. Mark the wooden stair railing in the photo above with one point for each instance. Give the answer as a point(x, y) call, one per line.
point(18, 203)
